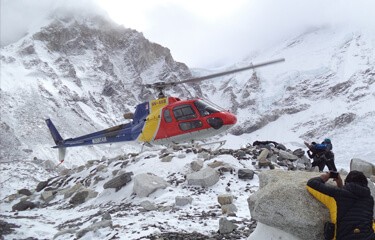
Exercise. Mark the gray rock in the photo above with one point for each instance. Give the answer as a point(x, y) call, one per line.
point(148, 206)
point(181, 155)
point(94, 227)
point(119, 181)
point(245, 173)
point(263, 155)
point(363, 166)
point(41, 186)
point(47, 196)
point(106, 216)
point(204, 155)
point(299, 152)
point(167, 158)
point(79, 197)
point(286, 155)
point(23, 205)
point(147, 183)
point(63, 232)
point(226, 226)
point(12, 197)
point(196, 165)
point(240, 154)
point(70, 191)
point(281, 146)
point(216, 164)
point(101, 168)
point(229, 209)
point(224, 199)
point(205, 177)
point(281, 195)
point(25, 192)
point(182, 201)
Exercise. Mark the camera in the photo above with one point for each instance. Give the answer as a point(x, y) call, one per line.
point(333, 174)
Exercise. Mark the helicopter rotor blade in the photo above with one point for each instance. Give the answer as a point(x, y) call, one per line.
point(160, 86)
point(198, 79)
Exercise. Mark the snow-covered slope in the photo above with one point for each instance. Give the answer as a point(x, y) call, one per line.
point(324, 89)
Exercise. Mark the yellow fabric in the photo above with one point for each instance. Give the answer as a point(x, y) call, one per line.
point(329, 202)
point(373, 225)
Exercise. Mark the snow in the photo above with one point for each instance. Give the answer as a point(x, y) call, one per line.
point(263, 231)
point(49, 218)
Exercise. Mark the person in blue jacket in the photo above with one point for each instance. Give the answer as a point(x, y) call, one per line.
point(322, 155)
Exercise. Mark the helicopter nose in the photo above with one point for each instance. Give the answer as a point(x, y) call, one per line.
point(229, 119)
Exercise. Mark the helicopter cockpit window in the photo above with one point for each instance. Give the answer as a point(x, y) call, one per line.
point(167, 116)
point(205, 108)
point(184, 112)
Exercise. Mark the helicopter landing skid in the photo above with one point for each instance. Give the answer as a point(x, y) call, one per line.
point(199, 145)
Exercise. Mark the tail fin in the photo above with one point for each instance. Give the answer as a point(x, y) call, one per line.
point(58, 140)
point(55, 134)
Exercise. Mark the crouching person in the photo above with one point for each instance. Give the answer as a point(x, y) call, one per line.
point(350, 205)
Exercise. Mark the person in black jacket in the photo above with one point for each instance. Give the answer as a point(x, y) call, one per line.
point(351, 205)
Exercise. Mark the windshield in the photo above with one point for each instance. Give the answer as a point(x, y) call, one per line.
point(205, 108)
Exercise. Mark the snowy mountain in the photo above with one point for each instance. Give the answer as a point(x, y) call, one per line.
point(82, 73)
point(85, 73)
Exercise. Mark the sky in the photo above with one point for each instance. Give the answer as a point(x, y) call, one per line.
point(201, 33)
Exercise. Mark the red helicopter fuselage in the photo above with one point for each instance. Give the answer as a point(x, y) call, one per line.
point(172, 120)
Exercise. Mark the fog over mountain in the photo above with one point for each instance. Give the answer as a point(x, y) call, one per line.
point(85, 71)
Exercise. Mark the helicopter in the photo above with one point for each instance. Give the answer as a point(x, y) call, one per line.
point(165, 120)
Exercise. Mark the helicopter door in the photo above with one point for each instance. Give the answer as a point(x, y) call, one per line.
point(186, 117)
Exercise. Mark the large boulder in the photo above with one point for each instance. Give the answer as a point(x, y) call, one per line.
point(282, 202)
point(205, 177)
point(147, 183)
point(119, 181)
point(360, 165)
point(284, 206)
point(23, 205)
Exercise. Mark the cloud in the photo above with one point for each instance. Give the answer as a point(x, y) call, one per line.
point(201, 33)
point(19, 17)
point(256, 25)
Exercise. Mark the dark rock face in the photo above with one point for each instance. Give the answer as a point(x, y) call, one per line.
point(41, 186)
point(119, 181)
point(23, 205)
point(245, 174)
point(25, 192)
point(6, 228)
point(79, 198)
